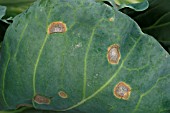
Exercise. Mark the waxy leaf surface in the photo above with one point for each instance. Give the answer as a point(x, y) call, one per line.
point(67, 65)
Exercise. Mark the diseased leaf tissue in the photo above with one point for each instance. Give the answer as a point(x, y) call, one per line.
point(116, 68)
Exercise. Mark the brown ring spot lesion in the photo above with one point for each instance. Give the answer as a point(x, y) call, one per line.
point(57, 27)
point(62, 94)
point(41, 99)
point(122, 91)
point(113, 54)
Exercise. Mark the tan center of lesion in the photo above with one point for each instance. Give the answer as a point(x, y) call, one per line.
point(122, 91)
point(63, 94)
point(113, 54)
point(41, 99)
point(57, 27)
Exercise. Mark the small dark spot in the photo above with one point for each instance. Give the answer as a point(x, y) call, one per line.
point(122, 91)
point(62, 94)
point(41, 99)
point(113, 54)
point(57, 27)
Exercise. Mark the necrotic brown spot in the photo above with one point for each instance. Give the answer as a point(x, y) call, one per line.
point(41, 99)
point(62, 94)
point(57, 27)
point(122, 91)
point(113, 54)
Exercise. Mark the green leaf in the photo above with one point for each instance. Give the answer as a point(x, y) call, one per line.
point(82, 57)
point(23, 110)
point(2, 11)
point(155, 21)
point(15, 7)
point(137, 5)
point(119, 2)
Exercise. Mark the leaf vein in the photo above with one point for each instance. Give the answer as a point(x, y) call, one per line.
point(86, 57)
point(21, 37)
point(4, 75)
point(39, 56)
point(147, 92)
point(3, 82)
point(107, 83)
point(85, 62)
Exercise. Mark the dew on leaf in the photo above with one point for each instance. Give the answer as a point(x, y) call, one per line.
point(62, 94)
point(57, 27)
point(113, 54)
point(41, 99)
point(122, 91)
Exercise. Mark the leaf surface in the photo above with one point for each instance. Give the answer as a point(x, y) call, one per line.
point(71, 71)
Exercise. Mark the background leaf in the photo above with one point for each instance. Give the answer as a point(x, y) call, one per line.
point(9, 9)
point(15, 7)
point(137, 5)
point(154, 21)
point(2, 27)
point(2, 11)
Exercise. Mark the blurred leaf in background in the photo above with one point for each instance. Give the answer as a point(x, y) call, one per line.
point(2, 11)
point(137, 5)
point(154, 21)
point(8, 10)
point(2, 26)
point(15, 7)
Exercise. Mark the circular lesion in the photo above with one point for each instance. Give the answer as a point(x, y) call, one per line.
point(113, 54)
point(63, 94)
point(122, 91)
point(39, 99)
point(57, 27)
